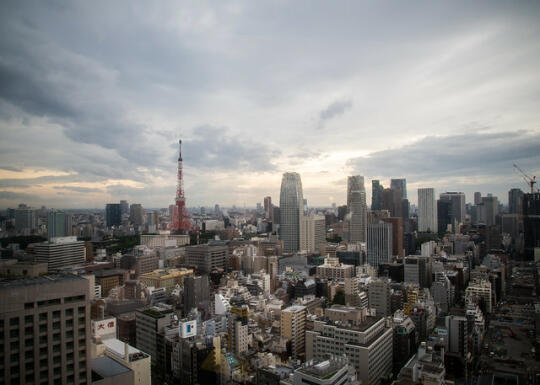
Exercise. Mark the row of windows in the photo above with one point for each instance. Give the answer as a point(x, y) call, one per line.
point(55, 301)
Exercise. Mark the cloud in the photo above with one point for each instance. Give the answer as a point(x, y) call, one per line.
point(473, 159)
point(78, 189)
point(335, 109)
point(216, 148)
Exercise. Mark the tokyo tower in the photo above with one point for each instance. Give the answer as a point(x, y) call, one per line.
point(180, 223)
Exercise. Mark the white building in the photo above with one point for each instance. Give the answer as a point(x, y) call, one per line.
point(427, 210)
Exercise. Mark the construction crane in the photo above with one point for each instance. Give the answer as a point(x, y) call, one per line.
point(530, 181)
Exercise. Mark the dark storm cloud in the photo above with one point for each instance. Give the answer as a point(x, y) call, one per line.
point(466, 155)
point(216, 148)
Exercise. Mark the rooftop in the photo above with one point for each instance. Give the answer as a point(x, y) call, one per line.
point(43, 280)
point(107, 367)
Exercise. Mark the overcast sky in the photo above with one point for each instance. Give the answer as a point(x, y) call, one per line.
point(95, 95)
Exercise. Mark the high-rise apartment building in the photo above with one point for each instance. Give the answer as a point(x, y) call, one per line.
point(238, 341)
point(379, 243)
point(399, 184)
point(113, 214)
point(515, 201)
point(357, 208)
point(291, 209)
point(458, 206)
point(59, 253)
point(45, 330)
point(376, 195)
point(427, 210)
point(293, 326)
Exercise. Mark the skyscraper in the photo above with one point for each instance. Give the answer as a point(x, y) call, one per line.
point(515, 201)
point(391, 201)
point(376, 195)
point(427, 210)
point(291, 210)
point(136, 214)
point(458, 206)
point(25, 219)
point(268, 207)
point(58, 224)
point(124, 207)
point(531, 223)
point(399, 184)
point(357, 209)
point(379, 243)
point(444, 215)
point(113, 214)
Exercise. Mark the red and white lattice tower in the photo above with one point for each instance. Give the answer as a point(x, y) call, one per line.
point(180, 223)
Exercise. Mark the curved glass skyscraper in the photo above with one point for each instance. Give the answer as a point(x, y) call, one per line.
point(291, 208)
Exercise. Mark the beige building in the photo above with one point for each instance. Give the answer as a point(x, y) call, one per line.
point(165, 278)
point(333, 269)
point(313, 233)
point(164, 240)
point(293, 324)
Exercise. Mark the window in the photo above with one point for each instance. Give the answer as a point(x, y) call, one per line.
point(42, 340)
point(43, 316)
point(29, 305)
point(69, 312)
point(29, 366)
point(28, 318)
point(56, 325)
point(43, 351)
point(56, 314)
point(69, 323)
point(13, 321)
point(82, 310)
point(14, 345)
point(14, 333)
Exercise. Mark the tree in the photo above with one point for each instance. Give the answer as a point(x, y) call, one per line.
point(339, 298)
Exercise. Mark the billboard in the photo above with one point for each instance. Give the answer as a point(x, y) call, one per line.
point(188, 329)
point(105, 327)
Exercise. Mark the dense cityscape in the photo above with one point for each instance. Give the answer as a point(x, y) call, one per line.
point(441, 293)
point(275, 192)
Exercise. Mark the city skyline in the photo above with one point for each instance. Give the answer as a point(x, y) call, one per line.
point(443, 95)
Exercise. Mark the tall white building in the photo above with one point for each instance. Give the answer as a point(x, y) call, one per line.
point(291, 209)
point(356, 208)
point(313, 232)
point(427, 210)
point(379, 243)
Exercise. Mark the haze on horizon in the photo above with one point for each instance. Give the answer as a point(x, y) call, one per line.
point(95, 95)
